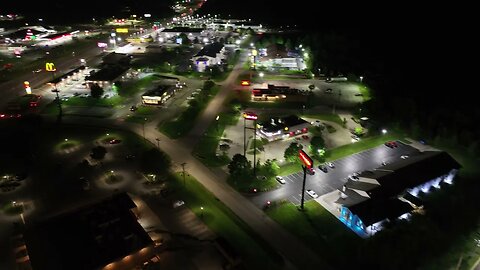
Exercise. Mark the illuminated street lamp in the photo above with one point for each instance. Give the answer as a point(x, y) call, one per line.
point(384, 131)
point(261, 74)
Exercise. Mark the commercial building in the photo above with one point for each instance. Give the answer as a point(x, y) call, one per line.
point(273, 93)
point(158, 95)
point(103, 235)
point(392, 191)
point(277, 128)
point(209, 55)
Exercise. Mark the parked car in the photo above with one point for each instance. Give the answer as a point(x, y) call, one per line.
point(178, 203)
point(331, 165)
point(133, 108)
point(323, 168)
point(312, 193)
point(311, 171)
point(280, 179)
point(353, 177)
point(329, 90)
point(115, 141)
point(404, 157)
point(391, 144)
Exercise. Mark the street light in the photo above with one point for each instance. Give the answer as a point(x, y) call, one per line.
point(384, 131)
point(261, 74)
point(201, 212)
point(158, 142)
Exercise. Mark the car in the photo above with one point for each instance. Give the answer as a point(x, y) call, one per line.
point(384, 163)
point(133, 108)
point(129, 157)
point(114, 141)
point(391, 144)
point(280, 179)
point(311, 171)
point(178, 203)
point(353, 177)
point(331, 165)
point(316, 123)
point(355, 138)
point(358, 94)
point(38, 70)
point(404, 156)
point(323, 168)
point(305, 137)
point(329, 90)
point(312, 193)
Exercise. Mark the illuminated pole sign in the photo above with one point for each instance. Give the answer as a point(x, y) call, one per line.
point(306, 160)
point(121, 30)
point(50, 67)
point(250, 116)
point(26, 85)
point(245, 82)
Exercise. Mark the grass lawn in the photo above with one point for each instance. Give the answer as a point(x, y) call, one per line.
point(11, 209)
point(255, 252)
point(129, 89)
point(363, 144)
point(186, 120)
point(289, 168)
point(206, 149)
point(247, 186)
point(317, 228)
point(140, 114)
point(90, 101)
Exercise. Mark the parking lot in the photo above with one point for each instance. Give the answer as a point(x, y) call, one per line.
point(335, 178)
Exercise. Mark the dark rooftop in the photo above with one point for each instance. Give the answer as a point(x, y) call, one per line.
point(183, 30)
point(108, 73)
point(411, 172)
point(87, 238)
point(210, 50)
point(372, 211)
point(160, 90)
point(277, 123)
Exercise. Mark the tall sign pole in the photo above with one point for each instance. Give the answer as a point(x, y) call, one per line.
point(307, 164)
point(254, 117)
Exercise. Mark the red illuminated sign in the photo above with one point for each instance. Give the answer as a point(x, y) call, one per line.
point(306, 160)
point(245, 82)
point(250, 116)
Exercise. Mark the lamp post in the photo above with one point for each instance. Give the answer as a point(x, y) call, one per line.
point(158, 142)
point(216, 119)
point(183, 172)
point(201, 212)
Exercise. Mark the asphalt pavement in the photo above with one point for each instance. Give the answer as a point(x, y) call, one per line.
point(335, 178)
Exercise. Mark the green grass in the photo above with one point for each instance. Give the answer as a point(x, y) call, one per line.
point(255, 252)
point(66, 144)
point(141, 113)
point(247, 185)
point(362, 145)
point(186, 120)
point(129, 89)
point(11, 209)
point(317, 228)
point(289, 168)
point(326, 117)
point(206, 149)
point(90, 101)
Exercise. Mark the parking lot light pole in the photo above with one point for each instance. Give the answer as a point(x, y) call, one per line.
point(183, 172)
point(158, 142)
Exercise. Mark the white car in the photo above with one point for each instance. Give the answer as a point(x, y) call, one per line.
point(404, 157)
point(330, 164)
point(312, 193)
point(178, 203)
point(280, 179)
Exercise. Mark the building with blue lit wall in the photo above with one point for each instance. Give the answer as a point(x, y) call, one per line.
point(392, 191)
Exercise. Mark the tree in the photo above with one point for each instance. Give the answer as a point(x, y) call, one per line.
point(207, 85)
point(311, 86)
point(154, 161)
point(239, 165)
point(98, 152)
point(291, 153)
point(184, 37)
point(96, 90)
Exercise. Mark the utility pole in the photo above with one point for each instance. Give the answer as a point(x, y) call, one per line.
point(183, 169)
point(158, 142)
point(255, 149)
point(244, 137)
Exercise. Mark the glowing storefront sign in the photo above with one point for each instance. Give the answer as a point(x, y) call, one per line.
point(50, 67)
point(306, 160)
point(121, 30)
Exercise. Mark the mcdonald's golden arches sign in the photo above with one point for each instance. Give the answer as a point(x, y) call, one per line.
point(50, 67)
